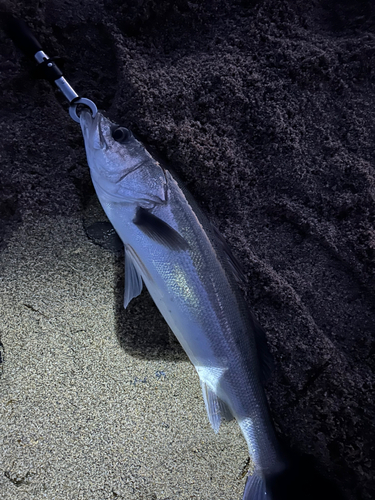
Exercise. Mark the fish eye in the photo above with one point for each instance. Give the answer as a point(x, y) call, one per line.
point(121, 134)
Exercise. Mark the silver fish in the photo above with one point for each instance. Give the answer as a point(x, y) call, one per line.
point(192, 277)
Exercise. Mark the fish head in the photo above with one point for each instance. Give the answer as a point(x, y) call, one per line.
point(121, 168)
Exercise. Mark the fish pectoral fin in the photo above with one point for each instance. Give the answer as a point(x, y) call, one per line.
point(216, 408)
point(133, 279)
point(158, 230)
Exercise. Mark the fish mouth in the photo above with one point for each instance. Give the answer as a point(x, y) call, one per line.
point(88, 122)
point(92, 129)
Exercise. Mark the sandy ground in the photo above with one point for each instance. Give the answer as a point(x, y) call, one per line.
point(266, 111)
point(80, 416)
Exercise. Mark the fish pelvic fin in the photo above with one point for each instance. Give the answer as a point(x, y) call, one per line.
point(133, 276)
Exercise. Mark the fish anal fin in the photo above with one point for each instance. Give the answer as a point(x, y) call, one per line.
point(211, 402)
point(216, 408)
point(158, 230)
point(225, 412)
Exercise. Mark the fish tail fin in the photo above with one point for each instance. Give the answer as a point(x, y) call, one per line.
point(256, 487)
point(298, 480)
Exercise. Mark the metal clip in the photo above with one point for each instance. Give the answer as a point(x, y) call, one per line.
point(82, 101)
point(52, 73)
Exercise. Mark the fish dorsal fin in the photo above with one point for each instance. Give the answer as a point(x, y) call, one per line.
point(133, 279)
point(265, 357)
point(266, 361)
point(158, 230)
point(215, 407)
point(234, 265)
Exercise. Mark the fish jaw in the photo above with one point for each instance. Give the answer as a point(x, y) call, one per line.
point(121, 173)
point(89, 124)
